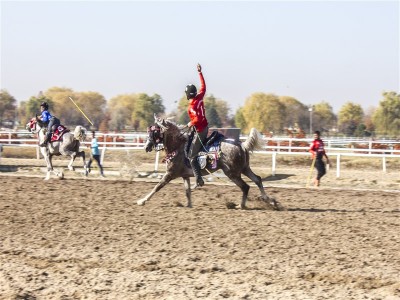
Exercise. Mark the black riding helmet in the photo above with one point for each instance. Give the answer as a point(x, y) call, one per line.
point(45, 105)
point(190, 91)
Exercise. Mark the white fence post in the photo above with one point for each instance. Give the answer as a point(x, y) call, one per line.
point(370, 146)
point(338, 166)
point(104, 147)
point(103, 152)
point(156, 163)
point(384, 163)
point(273, 163)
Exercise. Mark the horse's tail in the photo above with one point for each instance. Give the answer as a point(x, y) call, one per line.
point(254, 141)
point(80, 133)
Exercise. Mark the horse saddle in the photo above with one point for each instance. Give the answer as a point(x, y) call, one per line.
point(209, 157)
point(58, 132)
point(209, 154)
point(208, 160)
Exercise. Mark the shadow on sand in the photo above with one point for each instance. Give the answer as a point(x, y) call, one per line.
point(277, 177)
point(8, 168)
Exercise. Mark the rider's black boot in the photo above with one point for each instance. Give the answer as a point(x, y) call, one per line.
point(197, 173)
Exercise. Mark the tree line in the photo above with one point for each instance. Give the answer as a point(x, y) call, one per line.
point(269, 113)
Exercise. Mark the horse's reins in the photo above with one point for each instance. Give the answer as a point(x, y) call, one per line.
point(201, 142)
point(156, 147)
point(40, 129)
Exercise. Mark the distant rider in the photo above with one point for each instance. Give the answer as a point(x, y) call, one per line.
point(198, 123)
point(49, 120)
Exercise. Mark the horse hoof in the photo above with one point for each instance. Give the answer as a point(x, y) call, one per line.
point(278, 206)
point(141, 202)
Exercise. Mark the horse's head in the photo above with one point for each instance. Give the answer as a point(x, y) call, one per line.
point(154, 137)
point(33, 125)
point(166, 132)
point(155, 133)
point(80, 133)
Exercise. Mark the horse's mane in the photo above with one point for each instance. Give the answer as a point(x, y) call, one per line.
point(173, 134)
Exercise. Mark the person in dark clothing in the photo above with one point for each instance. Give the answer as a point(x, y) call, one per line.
point(47, 118)
point(198, 124)
point(318, 153)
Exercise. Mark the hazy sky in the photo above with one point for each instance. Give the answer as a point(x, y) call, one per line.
point(334, 51)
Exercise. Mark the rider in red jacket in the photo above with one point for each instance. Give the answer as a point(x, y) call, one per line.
point(198, 123)
point(318, 153)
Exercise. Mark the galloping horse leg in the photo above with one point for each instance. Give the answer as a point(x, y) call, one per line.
point(166, 178)
point(243, 186)
point(47, 158)
point(257, 180)
point(186, 181)
point(73, 156)
point(82, 154)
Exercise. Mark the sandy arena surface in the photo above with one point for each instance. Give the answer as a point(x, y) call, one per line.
point(87, 239)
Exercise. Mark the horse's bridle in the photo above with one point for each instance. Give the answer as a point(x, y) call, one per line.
point(32, 125)
point(155, 135)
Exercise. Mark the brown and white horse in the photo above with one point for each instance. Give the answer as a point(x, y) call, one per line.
point(68, 145)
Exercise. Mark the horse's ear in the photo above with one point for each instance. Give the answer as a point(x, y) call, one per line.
point(162, 123)
point(157, 119)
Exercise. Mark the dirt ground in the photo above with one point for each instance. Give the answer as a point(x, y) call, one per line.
point(87, 239)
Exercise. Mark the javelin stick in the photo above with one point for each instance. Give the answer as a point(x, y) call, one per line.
point(80, 110)
point(311, 169)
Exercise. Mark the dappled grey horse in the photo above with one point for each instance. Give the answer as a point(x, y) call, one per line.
point(233, 160)
point(68, 146)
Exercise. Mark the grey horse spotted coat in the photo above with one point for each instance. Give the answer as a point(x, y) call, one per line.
point(68, 146)
point(234, 160)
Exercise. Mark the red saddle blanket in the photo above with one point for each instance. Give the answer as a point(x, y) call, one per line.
point(58, 132)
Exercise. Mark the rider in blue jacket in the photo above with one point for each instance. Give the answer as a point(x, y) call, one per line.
point(48, 119)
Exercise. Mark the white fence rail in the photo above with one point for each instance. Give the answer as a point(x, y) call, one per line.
point(382, 149)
